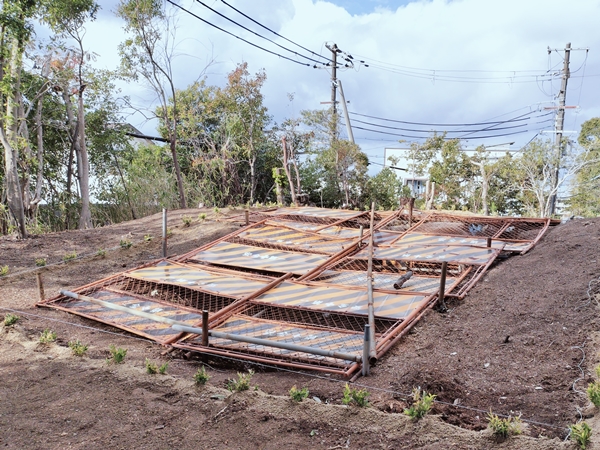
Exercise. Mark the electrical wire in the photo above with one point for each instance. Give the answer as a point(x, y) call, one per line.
point(459, 137)
point(257, 34)
point(235, 36)
point(274, 32)
point(440, 124)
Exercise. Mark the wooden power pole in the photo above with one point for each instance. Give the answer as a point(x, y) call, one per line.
point(334, 51)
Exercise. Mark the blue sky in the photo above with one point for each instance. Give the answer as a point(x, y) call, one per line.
point(357, 7)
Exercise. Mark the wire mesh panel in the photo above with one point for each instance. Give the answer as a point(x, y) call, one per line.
point(283, 238)
point(340, 300)
point(436, 239)
point(157, 331)
point(242, 325)
point(444, 224)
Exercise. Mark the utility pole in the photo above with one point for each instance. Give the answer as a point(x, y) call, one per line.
point(345, 108)
point(560, 121)
point(334, 51)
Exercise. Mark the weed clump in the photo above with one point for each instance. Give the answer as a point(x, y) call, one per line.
point(581, 433)
point(201, 377)
point(242, 383)
point(504, 427)
point(40, 262)
point(298, 395)
point(117, 355)
point(77, 348)
point(125, 243)
point(69, 256)
point(10, 319)
point(3, 270)
point(355, 396)
point(422, 403)
point(152, 368)
point(47, 336)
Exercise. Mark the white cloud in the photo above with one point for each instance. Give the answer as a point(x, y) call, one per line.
point(460, 35)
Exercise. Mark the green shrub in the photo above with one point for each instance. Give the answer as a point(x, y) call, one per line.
point(163, 369)
point(117, 355)
point(242, 383)
point(69, 256)
point(202, 217)
point(47, 336)
point(593, 392)
point(40, 262)
point(422, 403)
point(351, 395)
point(10, 319)
point(504, 427)
point(148, 238)
point(581, 433)
point(151, 367)
point(125, 243)
point(187, 221)
point(101, 252)
point(3, 270)
point(201, 377)
point(298, 394)
point(77, 347)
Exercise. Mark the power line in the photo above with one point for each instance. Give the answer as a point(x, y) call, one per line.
point(235, 36)
point(439, 124)
point(460, 137)
point(257, 34)
point(274, 32)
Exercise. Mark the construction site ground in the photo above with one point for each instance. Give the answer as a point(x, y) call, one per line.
point(524, 341)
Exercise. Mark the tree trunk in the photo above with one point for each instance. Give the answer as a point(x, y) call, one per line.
point(83, 167)
point(286, 167)
point(179, 178)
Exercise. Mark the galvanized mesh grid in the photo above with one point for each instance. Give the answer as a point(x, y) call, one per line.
point(522, 231)
point(246, 270)
point(174, 294)
point(314, 318)
point(460, 226)
point(400, 223)
point(283, 238)
point(400, 267)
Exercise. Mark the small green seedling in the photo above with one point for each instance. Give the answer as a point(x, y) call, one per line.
point(148, 238)
point(69, 256)
point(47, 336)
point(242, 383)
point(298, 394)
point(504, 427)
point(151, 367)
point(10, 319)
point(169, 232)
point(217, 211)
point(593, 392)
point(163, 369)
point(201, 377)
point(101, 252)
point(422, 403)
point(355, 396)
point(187, 221)
point(581, 433)
point(40, 262)
point(117, 355)
point(125, 243)
point(3, 270)
point(77, 347)
point(202, 217)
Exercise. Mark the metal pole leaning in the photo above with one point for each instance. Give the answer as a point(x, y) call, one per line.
point(205, 328)
point(371, 307)
point(164, 233)
point(442, 294)
point(366, 351)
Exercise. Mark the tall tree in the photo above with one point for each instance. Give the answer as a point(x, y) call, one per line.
point(149, 54)
point(585, 200)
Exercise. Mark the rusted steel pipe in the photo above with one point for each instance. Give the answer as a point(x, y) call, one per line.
point(164, 233)
point(360, 236)
point(371, 309)
point(268, 343)
point(488, 242)
point(442, 293)
point(247, 216)
point(366, 351)
point(411, 204)
point(205, 328)
point(403, 279)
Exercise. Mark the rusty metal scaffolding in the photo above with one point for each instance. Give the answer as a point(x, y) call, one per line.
point(297, 277)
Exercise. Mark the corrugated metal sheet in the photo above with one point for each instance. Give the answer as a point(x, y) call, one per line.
point(156, 331)
point(294, 334)
point(324, 213)
point(432, 253)
point(283, 236)
point(429, 239)
point(237, 255)
point(195, 278)
point(327, 298)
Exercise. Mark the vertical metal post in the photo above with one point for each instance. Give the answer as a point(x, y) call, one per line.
point(371, 308)
point(345, 108)
point(40, 286)
point(164, 233)
point(205, 328)
point(247, 214)
point(411, 204)
point(360, 236)
point(488, 242)
point(442, 294)
point(366, 351)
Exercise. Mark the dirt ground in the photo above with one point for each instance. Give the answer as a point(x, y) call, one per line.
point(524, 341)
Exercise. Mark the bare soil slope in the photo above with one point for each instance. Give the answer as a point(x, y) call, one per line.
point(523, 341)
